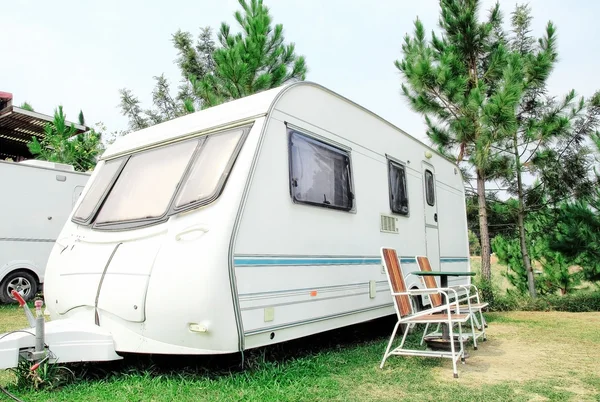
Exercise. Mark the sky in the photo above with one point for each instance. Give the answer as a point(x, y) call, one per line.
point(80, 53)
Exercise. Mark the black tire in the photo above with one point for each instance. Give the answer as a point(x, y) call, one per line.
point(15, 280)
point(417, 302)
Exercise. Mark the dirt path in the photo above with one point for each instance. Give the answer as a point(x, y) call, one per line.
point(525, 346)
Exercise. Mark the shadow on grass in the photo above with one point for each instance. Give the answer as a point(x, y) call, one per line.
point(214, 366)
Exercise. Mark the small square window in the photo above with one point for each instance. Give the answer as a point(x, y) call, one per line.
point(398, 189)
point(319, 173)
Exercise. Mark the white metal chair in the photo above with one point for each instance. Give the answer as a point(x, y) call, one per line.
point(466, 306)
point(445, 313)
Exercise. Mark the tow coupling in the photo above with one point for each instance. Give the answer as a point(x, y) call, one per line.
point(57, 341)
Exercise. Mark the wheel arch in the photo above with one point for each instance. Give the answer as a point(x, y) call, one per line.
point(22, 266)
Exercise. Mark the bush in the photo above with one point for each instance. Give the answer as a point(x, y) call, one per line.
point(508, 302)
point(575, 303)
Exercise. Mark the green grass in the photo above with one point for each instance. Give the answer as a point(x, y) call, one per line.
point(529, 355)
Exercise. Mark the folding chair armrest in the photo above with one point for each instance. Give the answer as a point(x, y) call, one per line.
point(467, 289)
point(433, 291)
point(470, 296)
point(427, 291)
point(442, 291)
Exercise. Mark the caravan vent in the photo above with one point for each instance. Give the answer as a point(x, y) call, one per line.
point(388, 224)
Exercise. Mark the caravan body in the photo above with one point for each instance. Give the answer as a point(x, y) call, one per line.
point(36, 200)
point(251, 223)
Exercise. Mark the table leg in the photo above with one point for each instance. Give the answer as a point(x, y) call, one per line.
point(445, 329)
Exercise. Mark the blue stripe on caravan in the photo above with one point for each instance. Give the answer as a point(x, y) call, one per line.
point(305, 261)
point(454, 259)
point(311, 261)
point(295, 261)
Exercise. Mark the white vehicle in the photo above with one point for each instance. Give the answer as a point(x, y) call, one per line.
point(36, 200)
point(247, 224)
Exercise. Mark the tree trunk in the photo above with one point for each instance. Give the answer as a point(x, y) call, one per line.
point(484, 236)
point(521, 223)
point(524, 252)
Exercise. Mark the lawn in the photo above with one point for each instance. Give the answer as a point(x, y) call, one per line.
point(528, 356)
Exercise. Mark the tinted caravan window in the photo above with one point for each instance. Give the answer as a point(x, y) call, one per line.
point(398, 192)
point(319, 173)
point(429, 188)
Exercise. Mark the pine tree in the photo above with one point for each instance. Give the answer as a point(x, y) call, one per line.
point(577, 227)
point(195, 61)
point(27, 106)
point(61, 144)
point(252, 61)
point(467, 85)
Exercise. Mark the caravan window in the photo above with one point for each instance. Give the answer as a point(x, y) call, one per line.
point(429, 188)
point(209, 169)
point(319, 173)
point(398, 193)
point(97, 189)
point(147, 183)
point(148, 186)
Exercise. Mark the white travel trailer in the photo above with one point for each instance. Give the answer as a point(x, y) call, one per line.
point(247, 224)
point(36, 200)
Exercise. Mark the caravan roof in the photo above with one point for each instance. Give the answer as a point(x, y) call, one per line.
point(247, 108)
point(219, 117)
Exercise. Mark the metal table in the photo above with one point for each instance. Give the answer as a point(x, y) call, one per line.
point(443, 284)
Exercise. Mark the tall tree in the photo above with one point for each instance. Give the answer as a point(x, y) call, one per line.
point(194, 60)
point(61, 144)
point(245, 63)
point(166, 106)
point(254, 60)
point(466, 84)
point(576, 231)
point(537, 65)
point(548, 140)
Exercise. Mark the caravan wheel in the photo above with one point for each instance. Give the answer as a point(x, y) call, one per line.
point(417, 303)
point(21, 281)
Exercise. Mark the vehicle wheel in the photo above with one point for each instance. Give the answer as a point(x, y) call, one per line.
point(21, 281)
point(417, 304)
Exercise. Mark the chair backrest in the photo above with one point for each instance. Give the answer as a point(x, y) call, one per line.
point(396, 280)
point(425, 266)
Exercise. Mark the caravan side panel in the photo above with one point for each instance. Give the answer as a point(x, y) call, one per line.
point(302, 269)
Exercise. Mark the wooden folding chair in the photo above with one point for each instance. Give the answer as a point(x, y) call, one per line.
point(466, 306)
point(406, 314)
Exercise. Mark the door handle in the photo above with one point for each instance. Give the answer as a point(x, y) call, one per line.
point(191, 233)
point(435, 217)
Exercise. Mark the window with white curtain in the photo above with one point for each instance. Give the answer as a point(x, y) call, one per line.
point(147, 186)
point(147, 183)
point(97, 189)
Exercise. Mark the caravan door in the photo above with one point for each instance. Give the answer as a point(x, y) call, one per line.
point(431, 219)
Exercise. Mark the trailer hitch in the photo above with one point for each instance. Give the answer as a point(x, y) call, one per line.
point(37, 322)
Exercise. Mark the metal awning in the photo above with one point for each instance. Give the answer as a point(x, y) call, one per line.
point(18, 127)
